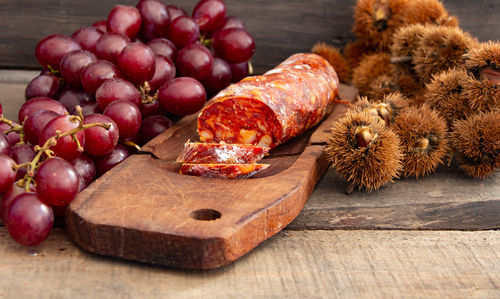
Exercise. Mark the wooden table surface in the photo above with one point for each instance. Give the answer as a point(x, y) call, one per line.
point(433, 237)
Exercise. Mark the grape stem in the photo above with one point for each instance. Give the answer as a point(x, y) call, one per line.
point(131, 144)
point(144, 90)
point(52, 141)
point(13, 128)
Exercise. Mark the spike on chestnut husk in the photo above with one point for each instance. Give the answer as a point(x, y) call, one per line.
point(369, 68)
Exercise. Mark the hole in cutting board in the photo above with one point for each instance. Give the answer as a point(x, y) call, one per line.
point(205, 214)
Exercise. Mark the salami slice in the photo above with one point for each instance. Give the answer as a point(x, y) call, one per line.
point(270, 109)
point(225, 171)
point(217, 153)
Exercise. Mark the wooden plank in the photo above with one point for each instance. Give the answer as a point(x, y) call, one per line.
point(280, 27)
point(445, 200)
point(319, 264)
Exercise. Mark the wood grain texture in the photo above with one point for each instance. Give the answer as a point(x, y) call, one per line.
point(305, 264)
point(445, 200)
point(280, 27)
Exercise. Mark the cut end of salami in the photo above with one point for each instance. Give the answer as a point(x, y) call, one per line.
point(269, 110)
point(225, 171)
point(221, 153)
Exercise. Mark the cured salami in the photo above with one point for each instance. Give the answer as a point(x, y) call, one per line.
point(225, 171)
point(270, 109)
point(221, 153)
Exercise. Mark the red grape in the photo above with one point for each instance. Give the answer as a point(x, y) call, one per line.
point(117, 89)
point(125, 20)
point(163, 46)
point(50, 50)
point(232, 22)
point(81, 185)
point(101, 25)
point(110, 45)
point(195, 61)
point(5, 147)
point(174, 12)
point(233, 45)
point(22, 153)
point(45, 85)
point(71, 98)
point(7, 172)
point(182, 96)
point(29, 220)
point(34, 124)
point(98, 140)
point(152, 126)
point(104, 163)
point(72, 65)
point(87, 37)
point(164, 72)
point(66, 147)
point(8, 197)
point(90, 108)
point(84, 166)
point(219, 78)
point(209, 14)
point(239, 71)
point(137, 63)
point(56, 182)
point(13, 137)
point(183, 31)
point(126, 116)
point(40, 103)
point(155, 19)
point(152, 108)
point(96, 73)
point(1, 109)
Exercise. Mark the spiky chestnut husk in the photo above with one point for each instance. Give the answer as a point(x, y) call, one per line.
point(446, 94)
point(477, 141)
point(483, 88)
point(335, 58)
point(381, 86)
point(355, 51)
point(369, 68)
point(375, 21)
point(430, 12)
point(439, 49)
point(405, 42)
point(364, 151)
point(386, 108)
point(423, 138)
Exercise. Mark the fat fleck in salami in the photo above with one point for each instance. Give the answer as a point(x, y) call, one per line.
point(226, 171)
point(270, 109)
point(216, 153)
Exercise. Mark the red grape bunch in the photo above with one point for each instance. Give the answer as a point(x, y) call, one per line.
point(121, 81)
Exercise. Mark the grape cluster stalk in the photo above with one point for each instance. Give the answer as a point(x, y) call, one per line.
point(104, 91)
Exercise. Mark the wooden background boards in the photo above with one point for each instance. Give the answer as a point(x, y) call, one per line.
point(280, 27)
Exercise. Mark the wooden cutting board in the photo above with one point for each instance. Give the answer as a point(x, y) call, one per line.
point(144, 210)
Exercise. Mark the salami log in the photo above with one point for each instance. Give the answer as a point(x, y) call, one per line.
point(217, 153)
point(225, 171)
point(270, 109)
